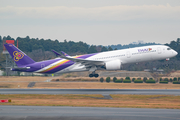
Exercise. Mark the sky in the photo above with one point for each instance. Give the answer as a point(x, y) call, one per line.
point(97, 22)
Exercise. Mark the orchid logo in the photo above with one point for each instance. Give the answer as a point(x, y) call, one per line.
point(17, 55)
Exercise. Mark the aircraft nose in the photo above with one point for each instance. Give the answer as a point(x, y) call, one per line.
point(175, 53)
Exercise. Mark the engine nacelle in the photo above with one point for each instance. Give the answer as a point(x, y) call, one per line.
point(113, 65)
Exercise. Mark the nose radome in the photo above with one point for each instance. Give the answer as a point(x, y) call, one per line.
point(175, 52)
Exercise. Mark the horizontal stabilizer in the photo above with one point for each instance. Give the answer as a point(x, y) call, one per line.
point(19, 69)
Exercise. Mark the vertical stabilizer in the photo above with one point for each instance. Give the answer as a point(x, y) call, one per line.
point(20, 58)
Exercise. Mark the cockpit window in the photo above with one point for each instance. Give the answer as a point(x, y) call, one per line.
point(168, 48)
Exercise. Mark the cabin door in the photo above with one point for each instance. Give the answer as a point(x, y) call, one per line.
point(128, 54)
point(159, 50)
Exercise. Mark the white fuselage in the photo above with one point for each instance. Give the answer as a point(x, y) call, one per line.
point(137, 54)
point(131, 55)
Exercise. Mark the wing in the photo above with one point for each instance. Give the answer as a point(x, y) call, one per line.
point(79, 60)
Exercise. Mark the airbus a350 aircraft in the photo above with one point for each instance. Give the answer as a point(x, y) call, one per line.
point(111, 60)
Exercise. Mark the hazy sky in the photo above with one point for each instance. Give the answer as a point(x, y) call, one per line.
point(98, 22)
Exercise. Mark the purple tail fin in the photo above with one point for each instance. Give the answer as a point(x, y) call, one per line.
point(18, 56)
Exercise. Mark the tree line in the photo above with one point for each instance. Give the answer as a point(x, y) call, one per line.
point(28, 44)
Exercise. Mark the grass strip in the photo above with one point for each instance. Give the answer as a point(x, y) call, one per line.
point(119, 100)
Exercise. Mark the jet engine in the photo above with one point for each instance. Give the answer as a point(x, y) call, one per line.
point(113, 65)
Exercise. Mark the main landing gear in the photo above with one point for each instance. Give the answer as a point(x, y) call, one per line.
point(93, 74)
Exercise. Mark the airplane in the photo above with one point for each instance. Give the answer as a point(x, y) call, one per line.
point(110, 60)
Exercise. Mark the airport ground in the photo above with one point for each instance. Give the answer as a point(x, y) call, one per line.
point(58, 104)
point(80, 79)
point(114, 101)
point(133, 100)
point(75, 83)
point(88, 85)
point(95, 100)
point(85, 113)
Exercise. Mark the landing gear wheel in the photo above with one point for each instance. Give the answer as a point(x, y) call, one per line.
point(96, 75)
point(91, 75)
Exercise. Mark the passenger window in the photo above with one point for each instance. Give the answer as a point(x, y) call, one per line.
point(168, 48)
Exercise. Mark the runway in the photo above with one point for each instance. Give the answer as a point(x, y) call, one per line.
point(85, 113)
point(91, 91)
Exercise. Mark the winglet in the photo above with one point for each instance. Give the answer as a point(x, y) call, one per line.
point(65, 54)
point(58, 54)
point(62, 54)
